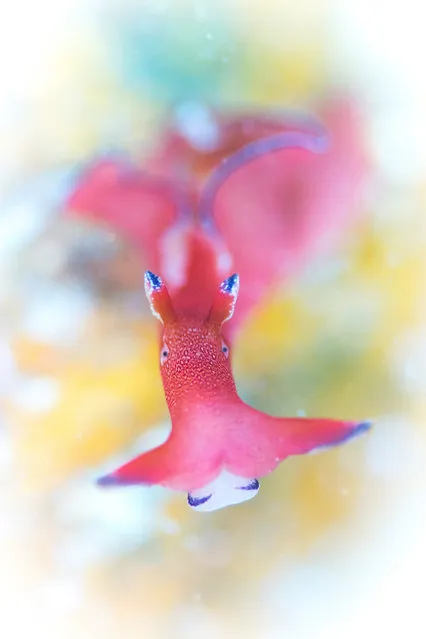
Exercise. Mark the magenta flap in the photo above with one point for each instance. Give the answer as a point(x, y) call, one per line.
point(274, 212)
point(135, 205)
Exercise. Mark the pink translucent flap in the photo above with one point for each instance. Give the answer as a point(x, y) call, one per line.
point(271, 193)
point(280, 199)
point(131, 203)
point(253, 449)
point(194, 151)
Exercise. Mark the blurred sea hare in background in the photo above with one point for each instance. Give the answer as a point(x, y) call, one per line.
point(272, 214)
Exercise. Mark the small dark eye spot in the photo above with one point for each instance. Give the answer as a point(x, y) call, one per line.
point(164, 353)
point(225, 349)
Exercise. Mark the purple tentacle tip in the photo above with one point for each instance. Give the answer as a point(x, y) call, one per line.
point(107, 481)
point(361, 428)
point(357, 431)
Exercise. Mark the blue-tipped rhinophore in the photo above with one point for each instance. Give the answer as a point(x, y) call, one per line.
point(154, 281)
point(230, 285)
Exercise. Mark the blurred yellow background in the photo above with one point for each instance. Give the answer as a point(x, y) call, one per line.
point(333, 546)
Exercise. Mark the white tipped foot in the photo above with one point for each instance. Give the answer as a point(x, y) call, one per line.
point(226, 490)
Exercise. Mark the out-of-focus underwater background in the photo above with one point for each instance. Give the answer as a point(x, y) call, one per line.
point(334, 544)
